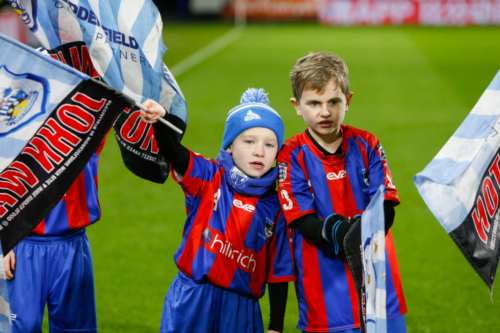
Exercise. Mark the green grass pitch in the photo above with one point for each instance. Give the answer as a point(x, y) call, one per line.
point(412, 87)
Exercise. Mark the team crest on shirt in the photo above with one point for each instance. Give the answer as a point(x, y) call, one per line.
point(269, 227)
point(283, 167)
point(381, 151)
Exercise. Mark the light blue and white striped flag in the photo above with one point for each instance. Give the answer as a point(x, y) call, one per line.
point(373, 240)
point(5, 323)
point(461, 184)
point(120, 41)
point(123, 37)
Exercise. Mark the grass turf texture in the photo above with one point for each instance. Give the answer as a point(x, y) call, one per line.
point(412, 88)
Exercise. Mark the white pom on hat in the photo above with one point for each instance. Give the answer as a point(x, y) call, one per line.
point(253, 95)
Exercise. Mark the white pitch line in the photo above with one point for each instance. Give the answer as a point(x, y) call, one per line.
point(208, 51)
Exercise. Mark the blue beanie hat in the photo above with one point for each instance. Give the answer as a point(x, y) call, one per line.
point(254, 111)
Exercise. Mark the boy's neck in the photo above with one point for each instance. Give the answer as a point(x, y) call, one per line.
point(330, 144)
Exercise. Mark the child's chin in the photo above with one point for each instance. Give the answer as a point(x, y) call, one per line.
point(256, 173)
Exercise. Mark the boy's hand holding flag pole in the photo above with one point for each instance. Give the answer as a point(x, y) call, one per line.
point(461, 185)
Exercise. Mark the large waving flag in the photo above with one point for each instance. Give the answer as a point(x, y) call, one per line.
point(461, 185)
point(52, 120)
point(373, 240)
point(120, 41)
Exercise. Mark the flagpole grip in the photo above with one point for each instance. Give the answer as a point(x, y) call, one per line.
point(161, 119)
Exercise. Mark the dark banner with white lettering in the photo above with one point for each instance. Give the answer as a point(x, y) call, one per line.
point(36, 180)
point(478, 235)
point(138, 147)
point(135, 138)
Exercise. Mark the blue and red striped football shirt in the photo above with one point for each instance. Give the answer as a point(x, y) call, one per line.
point(228, 237)
point(311, 182)
point(79, 207)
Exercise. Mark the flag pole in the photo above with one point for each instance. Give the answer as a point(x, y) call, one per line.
point(161, 119)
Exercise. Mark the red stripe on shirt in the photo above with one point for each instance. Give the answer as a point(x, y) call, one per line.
point(40, 228)
point(194, 240)
point(353, 294)
point(340, 191)
point(76, 203)
point(396, 275)
point(316, 311)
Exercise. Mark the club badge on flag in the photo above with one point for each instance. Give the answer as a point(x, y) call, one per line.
point(373, 240)
point(52, 120)
point(461, 185)
point(121, 42)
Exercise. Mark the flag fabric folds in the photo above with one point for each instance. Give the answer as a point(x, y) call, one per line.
point(461, 185)
point(373, 240)
point(121, 42)
point(52, 120)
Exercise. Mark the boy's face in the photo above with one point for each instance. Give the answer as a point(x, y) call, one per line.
point(254, 151)
point(324, 111)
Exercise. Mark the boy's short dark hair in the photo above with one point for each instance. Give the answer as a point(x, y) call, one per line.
point(315, 70)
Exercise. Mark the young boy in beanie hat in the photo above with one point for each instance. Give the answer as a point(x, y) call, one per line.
point(229, 245)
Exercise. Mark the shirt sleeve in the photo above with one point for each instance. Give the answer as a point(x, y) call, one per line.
point(379, 172)
point(280, 253)
point(295, 194)
point(200, 171)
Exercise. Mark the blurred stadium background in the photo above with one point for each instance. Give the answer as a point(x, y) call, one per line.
point(416, 70)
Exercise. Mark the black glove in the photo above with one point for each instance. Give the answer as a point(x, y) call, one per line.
point(335, 228)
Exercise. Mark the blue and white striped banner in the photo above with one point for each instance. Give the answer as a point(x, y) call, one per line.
point(124, 39)
point(373, 240)
point(461, 184)
point(121, 42)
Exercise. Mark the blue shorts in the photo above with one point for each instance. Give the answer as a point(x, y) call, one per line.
point(56, 271)
point(394, 325)
point(204, 308)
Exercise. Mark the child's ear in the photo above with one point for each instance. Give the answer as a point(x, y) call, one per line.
point(348, 101)
point(230, 149)
point(296, 106)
